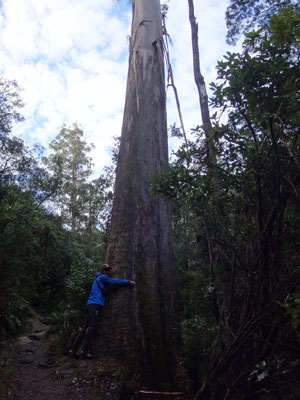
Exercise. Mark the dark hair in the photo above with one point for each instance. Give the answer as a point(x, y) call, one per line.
point(105, 267)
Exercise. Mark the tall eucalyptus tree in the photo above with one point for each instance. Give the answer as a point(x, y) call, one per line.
point(140, 326)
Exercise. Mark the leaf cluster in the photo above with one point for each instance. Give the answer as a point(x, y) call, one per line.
point(241, 214)
point(244, 15)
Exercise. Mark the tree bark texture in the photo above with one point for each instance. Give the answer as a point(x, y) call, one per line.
point(139, 324)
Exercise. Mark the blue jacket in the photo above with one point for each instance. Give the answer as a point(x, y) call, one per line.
point(96, 296)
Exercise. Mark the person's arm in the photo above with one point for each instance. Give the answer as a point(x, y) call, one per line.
point(116, 282)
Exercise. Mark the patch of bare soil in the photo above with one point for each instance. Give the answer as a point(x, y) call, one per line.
point(43, 375)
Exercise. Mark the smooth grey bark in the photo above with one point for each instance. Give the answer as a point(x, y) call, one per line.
point(203, 100)
point(199, 79)
point(139, 325)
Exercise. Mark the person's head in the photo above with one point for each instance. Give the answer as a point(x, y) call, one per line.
point(105, 269)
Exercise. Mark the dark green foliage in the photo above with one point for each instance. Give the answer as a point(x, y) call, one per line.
point(69, 312)
point(7, 369)
point(42, 264)
point(33, 246)
point(244, 15)
point(33, 257)
point(242, 285)
point(40, 261)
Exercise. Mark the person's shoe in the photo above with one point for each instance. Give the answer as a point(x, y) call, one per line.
point(73, 354)
point(88, 355)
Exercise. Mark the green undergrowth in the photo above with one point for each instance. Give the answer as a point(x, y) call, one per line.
point(7, 368)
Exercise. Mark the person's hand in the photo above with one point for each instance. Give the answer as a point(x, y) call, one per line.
point(132, 283)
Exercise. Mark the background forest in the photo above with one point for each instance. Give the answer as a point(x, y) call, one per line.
point(235, 191)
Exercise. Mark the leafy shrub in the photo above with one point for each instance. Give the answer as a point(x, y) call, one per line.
point(70, 312)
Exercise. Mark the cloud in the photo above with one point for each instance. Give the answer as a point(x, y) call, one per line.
point(71, 58)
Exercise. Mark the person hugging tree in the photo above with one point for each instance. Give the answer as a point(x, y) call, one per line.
point(94, 307)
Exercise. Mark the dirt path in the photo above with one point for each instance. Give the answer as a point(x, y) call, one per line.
point(45, 375)
point(42, 375)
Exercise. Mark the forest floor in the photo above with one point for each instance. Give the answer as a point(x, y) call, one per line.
point(41, 372)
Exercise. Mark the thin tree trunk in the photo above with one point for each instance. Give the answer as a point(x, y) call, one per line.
point(73, 200)
point(199, 79)
point(139, 326)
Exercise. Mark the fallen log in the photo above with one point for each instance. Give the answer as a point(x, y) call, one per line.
point(156, 395)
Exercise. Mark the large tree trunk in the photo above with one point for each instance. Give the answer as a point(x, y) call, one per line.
point(139, 326)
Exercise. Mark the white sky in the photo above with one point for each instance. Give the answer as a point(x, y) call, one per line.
point(71, 59)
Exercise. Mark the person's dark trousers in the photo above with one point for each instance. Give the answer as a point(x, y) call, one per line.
point(93, 312)
point(77, 341)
